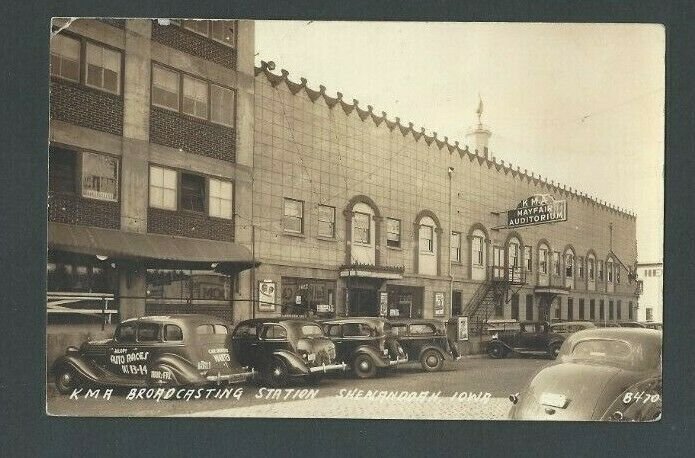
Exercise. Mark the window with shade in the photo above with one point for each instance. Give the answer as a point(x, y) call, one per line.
point(219, 30)
point(528, 258)
point(99, 177)
point(165, 88)
point(65, 57)
point(163, 188)
point(222, 105)
point(426, 239)
point(478, 258)
point(195, 97)
point(103, 68)
point(590, 268)
point(609, 271)
point(569, 265)
point(543, 260)
point(456, 246)
point(361, 225)
point(293, 220)
point(556, 262)
point(326, 221)
point(580, 267)
point(221, 199)
point(393, 233)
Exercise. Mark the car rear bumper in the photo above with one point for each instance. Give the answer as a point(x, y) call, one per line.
point(328, 368)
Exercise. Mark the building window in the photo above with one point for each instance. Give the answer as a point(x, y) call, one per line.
point(570, 308)
point(609, 271)
point(600, 270)
point(222, 105)
point(528, 258)
point(393, 232)
point(99, 177)
point(513, 255)
point(103, 68)
point(592, 309)
point(558, 309)
point(569, 265)
point(602, 309)
point(629, 310)
point(294, 216)
point(219, 30)
point(456, 246)
point(361, 225)
point(556, 263)
point(326, 221)
point(192, 96)
point(221, 199)
point(162, 188)
point(581, 309)
point(617, 273)
point(456, 303)
point(543, 259)
point(649, 313)
point(478, 252)
point(529, 307)
point(65, 57)
point(426, 238)
point(580, 267)
point(165, 88)
point(610, 310)
point(619, 312)
point(192, 192)
point(62, 170)
point(591, 269)
point(195, 97)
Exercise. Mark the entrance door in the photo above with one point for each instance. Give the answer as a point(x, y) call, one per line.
point(364, 302)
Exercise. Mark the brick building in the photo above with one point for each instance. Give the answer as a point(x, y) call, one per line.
point(365, 215)
point(176, 166)
point(151, 141)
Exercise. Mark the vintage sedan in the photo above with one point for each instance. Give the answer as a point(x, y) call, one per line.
point(173, 350)
point(611, 374)
point(281, 349)
point(531, 338)
point(365, 344)
point(425, 341)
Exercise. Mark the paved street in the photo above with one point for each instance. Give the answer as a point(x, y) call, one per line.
point(458, 392)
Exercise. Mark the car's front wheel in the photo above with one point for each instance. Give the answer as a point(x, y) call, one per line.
point(496, 351)
point(364, 366)
point(276, 374)
point(66, 380)
point(431, 361)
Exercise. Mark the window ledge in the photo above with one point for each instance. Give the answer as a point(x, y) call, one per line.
point(362, 244)
point(427, 253)
point(294, 234)
point(394, 248)
point(326, 239)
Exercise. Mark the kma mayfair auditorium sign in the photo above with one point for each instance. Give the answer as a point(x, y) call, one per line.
point(537, 209)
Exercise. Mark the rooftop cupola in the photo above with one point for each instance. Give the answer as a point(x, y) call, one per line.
point(478, 136)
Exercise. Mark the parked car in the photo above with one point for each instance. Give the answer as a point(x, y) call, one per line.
point(425, 341)
point(165, 351)
point(281, 349)
point(606, 324)
point(532, 338)
point(630, 324)
point(653, 325)
point(365, 344)
point(569, 327)
point(600, 374)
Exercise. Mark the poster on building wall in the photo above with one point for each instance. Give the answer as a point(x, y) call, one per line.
point(462, 330)
point(266, 295)
point(537, 209)
point(383, 303)
point(438, 304)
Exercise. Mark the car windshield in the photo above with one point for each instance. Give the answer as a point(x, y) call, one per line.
point(311, 330)
point(617, 352)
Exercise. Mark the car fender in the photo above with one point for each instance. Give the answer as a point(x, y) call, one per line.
point(79, 365)
point(295, 364)
point(556, 340)
point(184, 372)
point(444, 354)
point(373, 353)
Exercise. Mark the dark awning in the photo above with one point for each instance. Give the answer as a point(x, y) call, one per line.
point(161, 251)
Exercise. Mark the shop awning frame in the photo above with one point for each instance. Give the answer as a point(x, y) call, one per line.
point(156, 250)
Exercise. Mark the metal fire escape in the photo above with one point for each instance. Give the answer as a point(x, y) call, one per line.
point(500, 285)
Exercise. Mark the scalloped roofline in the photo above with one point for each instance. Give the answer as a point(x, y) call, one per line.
point(348, 108)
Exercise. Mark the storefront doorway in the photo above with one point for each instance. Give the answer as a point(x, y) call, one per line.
point(405, 302)
point(363, 302)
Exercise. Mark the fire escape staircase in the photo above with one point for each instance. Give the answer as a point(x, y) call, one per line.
point(501, 284)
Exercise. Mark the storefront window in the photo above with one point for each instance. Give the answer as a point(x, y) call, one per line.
point(405, 302)
point(301, 295)
point(188, 285)
point(99, 177)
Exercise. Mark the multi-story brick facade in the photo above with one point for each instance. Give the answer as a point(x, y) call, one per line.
point(151, 147)
point(355, 208)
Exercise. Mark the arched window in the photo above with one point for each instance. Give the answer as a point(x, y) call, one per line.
point(543, 253)
point(428, 231)
point(363, 235)
point(609, 270)
point(591, 267)
point(569, 263)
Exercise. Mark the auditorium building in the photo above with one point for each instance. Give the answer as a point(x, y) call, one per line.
point(184, 179)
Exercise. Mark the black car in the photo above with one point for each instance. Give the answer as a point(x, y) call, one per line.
point(531, 338)
point(425, 341)
point(284, 348)
point(164, 351)
point(365, 344)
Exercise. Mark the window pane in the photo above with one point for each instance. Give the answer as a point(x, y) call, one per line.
point(222, 105)
point(162, 188)
point(103, 68)
point(361, 224)
point(65, 57)
point(192, 192)
point(326, 221)
point(172, 332)
point(99, 176)
point(148, 332)
point(220, 199)
point(426, 238)
point(195, 97)
point(223, 31)
point(294, 212)
point(165, 88)
point(200, 27)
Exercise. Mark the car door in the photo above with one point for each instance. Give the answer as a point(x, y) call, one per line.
point(343, 348)
point(245, 344)
point(273, 337)
point(528, 336)
point(400, 332)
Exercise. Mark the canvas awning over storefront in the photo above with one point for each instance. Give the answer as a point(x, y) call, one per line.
point(156, 250)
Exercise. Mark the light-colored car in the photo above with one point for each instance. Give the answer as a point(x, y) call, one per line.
point(570, 327)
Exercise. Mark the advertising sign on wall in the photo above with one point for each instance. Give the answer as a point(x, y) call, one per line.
point(438, 304)
point(266, 295)
point(383, 303)
point(537, 209)
point(463, 328)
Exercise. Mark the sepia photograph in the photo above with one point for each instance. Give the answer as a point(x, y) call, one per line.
point(355, 220)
